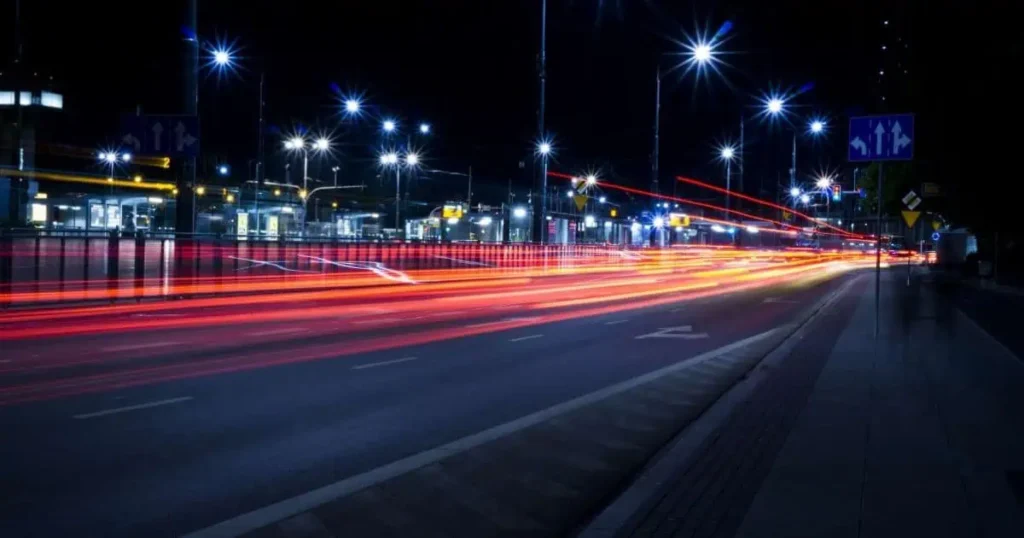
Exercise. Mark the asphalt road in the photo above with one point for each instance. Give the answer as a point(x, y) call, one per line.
point(159, 455)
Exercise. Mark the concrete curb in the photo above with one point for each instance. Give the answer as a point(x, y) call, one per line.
point(635, 501)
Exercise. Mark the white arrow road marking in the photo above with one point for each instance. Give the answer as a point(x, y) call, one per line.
point(684, 332)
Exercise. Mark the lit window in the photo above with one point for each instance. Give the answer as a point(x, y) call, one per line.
point(25, 98)
point(38, 212)
point(6, 98)
point(52, 100)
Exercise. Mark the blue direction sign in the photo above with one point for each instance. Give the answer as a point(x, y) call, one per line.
point(177, 136)
point(882, 138)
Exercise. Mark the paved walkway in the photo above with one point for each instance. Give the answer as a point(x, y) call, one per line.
point(920, 433)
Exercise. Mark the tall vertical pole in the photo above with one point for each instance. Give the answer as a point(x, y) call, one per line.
point(792, 170)
point(398, 194)
point(541, 235)
point(259, 157)
point(728, 188)
point(739, 203)
point(187, 183)
point(469, 190)
point(878, 245)
point(657, 128)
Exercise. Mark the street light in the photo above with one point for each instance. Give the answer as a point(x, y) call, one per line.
point(223, 170)
point(412, 159)
point(823, 183)
point(817, 126)
point(805, 198)
point(424, 128)
point(726, 153)
point(699, 54)
point(391, 159)
point(519, 212)
point(335, 170)
point(602, 199)
point(322, 144)
point(352, 106)
point(389, 126)
point(591, 180)
point(544, 148)
point(221, 58)
point(774, 106)
point(794, 192)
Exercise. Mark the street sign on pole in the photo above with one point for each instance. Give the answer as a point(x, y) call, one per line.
point(177, 136)
point(881, 138)
point(910, 217)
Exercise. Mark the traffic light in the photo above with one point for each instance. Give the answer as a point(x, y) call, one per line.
point(614, 212)
point(837, 192)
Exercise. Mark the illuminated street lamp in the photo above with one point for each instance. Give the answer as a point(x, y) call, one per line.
point(726, 153)
point(805, 198)
point(424, 128)
point(794, 192)
point(591, 180)
point(392, 159)
point(543, 150)
point(389, 126)
point(816, 127)
point(823, 183)
point(352, 106)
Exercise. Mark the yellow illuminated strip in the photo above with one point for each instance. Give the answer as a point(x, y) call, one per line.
point(51, 176)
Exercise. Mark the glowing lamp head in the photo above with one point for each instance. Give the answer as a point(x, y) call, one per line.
point(728, 153)
point(817, 126)
point(389, 158)
point(352, 106)
point(794, 192)
point(296, 142)
point(222, 58)
point(591, 180)
point(109, 157)
point(322, 144)
point(805, 199)
point(702, 52)
point(570, 193)
point(544, 148)
point(412, 159)
point(659, 222)
point(823, 182)
point(775, 105)
point(126, 157)
point(389, 126)
point(222, 170)
point(424, 128)
point(519, 212)
point(602, 199)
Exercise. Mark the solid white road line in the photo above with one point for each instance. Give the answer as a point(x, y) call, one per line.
point(283, 330)
point(382, 363)
point(278, 511)
point(147, 405)
point(616, 322)
point(521, 338)
point(133, 347)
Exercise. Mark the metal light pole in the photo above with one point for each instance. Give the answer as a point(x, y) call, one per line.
point(398, 194)
point(259, 157)
point(541, 234)
point(657, 128)
point(727, 153)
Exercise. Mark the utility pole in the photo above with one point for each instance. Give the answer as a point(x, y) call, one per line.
point(187, 181)
point(469, 191)
point(539, 234)
point(739, 203)
point(259, 157)
point(657, 125)
point(878, 245)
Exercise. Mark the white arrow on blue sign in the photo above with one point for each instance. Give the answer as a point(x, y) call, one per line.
point(882, 138)
point(177, 136)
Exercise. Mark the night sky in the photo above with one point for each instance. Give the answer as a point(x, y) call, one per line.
point(469, 68)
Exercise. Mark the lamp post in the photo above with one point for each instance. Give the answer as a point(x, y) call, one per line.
point(335, 170)
point(699, 54)
point(298, 143)
point(726, 153)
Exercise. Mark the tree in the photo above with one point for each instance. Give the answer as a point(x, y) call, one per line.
point(897, 182)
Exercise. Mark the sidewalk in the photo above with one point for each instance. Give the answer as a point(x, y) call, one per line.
point(918, 434)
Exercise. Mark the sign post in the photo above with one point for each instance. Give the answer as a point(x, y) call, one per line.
point(880, 139)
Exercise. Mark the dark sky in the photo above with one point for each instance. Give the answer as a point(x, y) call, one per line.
point(469, 68)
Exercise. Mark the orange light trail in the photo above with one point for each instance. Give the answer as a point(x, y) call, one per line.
point(764, 203)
